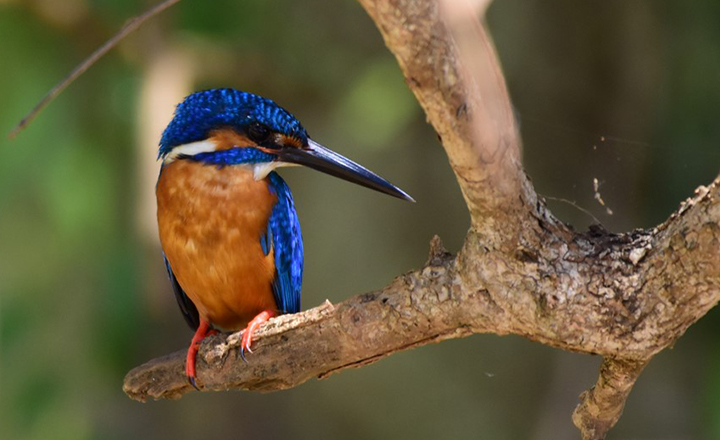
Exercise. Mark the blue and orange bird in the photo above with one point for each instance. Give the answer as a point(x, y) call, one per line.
point(228, 227)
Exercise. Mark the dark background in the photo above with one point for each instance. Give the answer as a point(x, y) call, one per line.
point(624, 91)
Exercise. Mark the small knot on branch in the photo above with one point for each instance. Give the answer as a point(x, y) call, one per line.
point(438, 255)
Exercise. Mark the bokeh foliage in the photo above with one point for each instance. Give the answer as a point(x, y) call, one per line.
point(623, 91)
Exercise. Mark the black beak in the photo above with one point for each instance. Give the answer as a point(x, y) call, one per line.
point(319, 158)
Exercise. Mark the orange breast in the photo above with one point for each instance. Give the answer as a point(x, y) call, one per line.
point(210, 222)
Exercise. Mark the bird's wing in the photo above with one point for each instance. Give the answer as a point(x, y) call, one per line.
point(187, 307)
point(284, 238)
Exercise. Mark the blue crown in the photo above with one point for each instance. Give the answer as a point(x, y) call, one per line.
point(204, 111)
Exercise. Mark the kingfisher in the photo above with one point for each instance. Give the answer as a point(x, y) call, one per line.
point(227, 222)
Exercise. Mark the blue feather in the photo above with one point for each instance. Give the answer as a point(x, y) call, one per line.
point(283, 235)
point(205, 111)
point(188, 309)
point(234, 156)
point(266, 241)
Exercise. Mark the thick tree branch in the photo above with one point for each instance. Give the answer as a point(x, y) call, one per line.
point(470, 110)
point(521, 271)
point(417, 308)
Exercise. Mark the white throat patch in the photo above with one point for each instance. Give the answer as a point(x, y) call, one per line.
point(261, 170)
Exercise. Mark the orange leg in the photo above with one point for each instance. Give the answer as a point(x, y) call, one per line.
point(250, 329)
point(202, 331)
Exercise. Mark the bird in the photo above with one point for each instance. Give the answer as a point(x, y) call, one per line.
point(227, 222)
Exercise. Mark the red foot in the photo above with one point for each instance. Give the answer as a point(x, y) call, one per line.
point(200, 334)
point(250, 329)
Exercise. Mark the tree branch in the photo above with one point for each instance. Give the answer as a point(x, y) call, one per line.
point(415, 309)
point(521, 271)
point(602, 405)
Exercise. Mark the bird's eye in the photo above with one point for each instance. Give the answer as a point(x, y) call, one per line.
point(258, 132)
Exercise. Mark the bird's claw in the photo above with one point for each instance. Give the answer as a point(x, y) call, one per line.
point(192, 381)
point(247, 336)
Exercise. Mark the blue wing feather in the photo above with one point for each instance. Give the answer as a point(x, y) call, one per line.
point(284, 237)
point(188, 309)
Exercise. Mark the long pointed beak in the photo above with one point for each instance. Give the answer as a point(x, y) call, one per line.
point(319, 158)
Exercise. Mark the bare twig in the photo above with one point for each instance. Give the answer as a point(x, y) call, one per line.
point(129, 27)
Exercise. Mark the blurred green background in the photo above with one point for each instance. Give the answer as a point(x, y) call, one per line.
point(624, 91)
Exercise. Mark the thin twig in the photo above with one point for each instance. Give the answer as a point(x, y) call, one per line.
point(129, 27)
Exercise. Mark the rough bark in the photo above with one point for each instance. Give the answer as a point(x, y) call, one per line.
point(602, 405)
point(521, 271)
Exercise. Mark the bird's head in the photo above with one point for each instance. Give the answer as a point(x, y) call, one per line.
point(226, 127)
